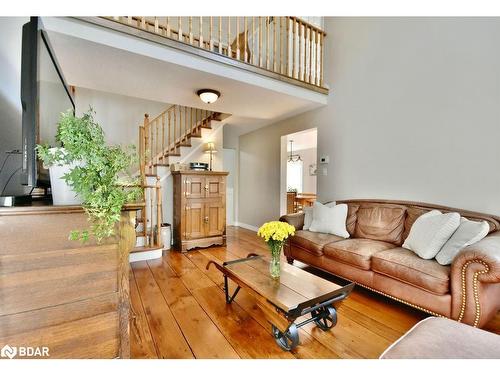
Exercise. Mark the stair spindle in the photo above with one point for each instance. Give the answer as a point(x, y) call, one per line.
point(201, 32)
point(220, 34)
point(191, 30)
point(159, 213)
point(245, 37)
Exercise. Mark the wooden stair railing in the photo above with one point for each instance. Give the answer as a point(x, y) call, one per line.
point(163, 136)
point(151, 215)
point(287, 45)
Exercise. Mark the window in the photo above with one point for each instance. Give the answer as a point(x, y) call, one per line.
point(294, 176)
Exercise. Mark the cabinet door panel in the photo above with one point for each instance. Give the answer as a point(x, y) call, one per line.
point(194, 187)
point(215, 187)
point(195, 226)
point(215, 218)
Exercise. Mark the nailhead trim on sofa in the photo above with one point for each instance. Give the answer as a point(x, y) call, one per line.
point(474, 288)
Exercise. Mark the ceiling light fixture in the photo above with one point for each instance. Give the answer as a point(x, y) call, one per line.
point(208, 95)
point(292, 158)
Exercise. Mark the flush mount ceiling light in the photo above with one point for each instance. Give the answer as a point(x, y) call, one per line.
point(208, 95)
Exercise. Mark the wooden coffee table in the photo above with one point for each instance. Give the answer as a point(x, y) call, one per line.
point(296, 293)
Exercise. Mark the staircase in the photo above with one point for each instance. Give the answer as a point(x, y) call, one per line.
point(174, 136)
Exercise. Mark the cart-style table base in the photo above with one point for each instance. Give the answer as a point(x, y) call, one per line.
point(295, 294)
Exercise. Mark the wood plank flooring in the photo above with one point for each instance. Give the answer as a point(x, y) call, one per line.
point(179, 311)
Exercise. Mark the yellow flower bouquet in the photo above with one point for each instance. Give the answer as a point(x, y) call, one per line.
point(275, 233)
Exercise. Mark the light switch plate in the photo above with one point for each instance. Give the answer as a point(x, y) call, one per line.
point(324, 171)
point(325, 159)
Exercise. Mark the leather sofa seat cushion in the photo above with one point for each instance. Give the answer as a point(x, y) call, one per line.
point(406, 266)
point(313, 242)
point(356, 251)
point(381, 222)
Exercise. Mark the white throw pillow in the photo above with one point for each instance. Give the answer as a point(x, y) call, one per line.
point(430, 232)
point(468, 233)
point(330, 219)
point(308, 215)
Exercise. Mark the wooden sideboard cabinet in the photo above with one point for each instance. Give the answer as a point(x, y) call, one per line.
point(69, 297)
point(199, 209)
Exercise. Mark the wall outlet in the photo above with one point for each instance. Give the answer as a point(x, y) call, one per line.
point(324, 171)
point(325, 159)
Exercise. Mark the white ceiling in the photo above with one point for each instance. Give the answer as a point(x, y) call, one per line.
point(303, 140)
point(252, 102)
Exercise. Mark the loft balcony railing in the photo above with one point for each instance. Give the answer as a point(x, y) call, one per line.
point(287, 46)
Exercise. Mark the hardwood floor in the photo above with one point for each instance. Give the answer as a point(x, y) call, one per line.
point(179, 311)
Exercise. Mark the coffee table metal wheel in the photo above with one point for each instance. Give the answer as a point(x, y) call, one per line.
point(287, 340)
point(325, 317)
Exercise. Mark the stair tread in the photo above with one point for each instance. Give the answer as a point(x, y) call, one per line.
point(139, 249)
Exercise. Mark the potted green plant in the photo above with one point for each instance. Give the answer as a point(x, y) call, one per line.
point(97, 173)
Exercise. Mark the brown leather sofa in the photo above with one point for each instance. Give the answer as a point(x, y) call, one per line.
point(467, 291)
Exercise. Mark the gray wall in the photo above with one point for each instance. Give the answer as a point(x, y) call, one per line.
point(118, 115)
point(413, 113)
point(10, 99)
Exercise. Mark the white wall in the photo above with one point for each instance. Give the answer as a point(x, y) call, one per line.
point(119, 115)
point(413, 114)
point(308, 157)
point(10, 99)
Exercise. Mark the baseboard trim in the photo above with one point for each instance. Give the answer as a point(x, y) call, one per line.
point(145, 255)
point(245, 226)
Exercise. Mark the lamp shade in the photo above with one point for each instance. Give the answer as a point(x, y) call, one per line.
point(208, 95)
point(210, 147)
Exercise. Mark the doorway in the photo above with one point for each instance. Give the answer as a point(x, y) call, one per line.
point(299, 156)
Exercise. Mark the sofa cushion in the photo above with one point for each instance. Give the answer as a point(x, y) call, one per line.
point(356, 251)
point(412, 214)
point(381, 222)
point(352, 217)
point(313, 242)
point(404, 265)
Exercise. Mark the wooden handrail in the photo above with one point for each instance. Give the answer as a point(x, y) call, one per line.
point(286, 45)
point(164, 134)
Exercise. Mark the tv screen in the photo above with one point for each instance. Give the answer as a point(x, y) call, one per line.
point(44, 95)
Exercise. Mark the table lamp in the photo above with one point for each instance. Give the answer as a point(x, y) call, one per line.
point(210, 148)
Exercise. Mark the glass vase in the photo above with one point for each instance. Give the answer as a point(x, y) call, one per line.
point(274, 264)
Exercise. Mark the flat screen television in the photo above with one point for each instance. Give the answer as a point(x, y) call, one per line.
point(44, 95)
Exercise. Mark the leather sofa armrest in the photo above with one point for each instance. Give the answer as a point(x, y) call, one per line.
point(475, 281)
point(297, 220)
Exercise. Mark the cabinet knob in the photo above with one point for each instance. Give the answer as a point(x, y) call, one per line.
point(206, 187)
point(206, 220)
